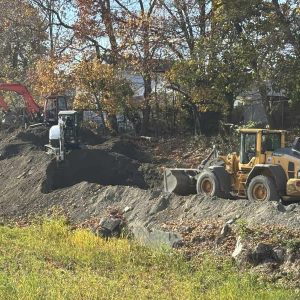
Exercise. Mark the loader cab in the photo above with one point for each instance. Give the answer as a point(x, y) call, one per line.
point(257, 146)
point(53, 105)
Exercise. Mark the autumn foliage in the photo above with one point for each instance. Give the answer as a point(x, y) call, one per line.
point(205, 53)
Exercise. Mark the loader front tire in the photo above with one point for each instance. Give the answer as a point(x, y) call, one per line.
point(262, 188)
point(208, 184)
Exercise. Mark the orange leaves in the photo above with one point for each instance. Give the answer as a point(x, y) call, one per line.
point(49, 76)
point(89, 23)
point(99, 86)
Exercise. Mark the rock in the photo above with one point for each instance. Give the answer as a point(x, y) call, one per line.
point(160, 206)
point(230, 222)
point(241, 253)
point(111, 225)
point(263, 253)
point(197, 239)
point(178, 244)
point(238, 248)
point(209, 226)
point(280, 254)
point(21, 175)
point(186, 229)
point(280, 207)
point(225, 230)
point(291, 256)
point(155, 237)
point(127, 209)
point(290, 207)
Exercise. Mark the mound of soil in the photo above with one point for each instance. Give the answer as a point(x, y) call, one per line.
point(110, 173)
point(11, 150)
point(36, 136)
point(89, 137)
point(131, 150)
point(93, 166)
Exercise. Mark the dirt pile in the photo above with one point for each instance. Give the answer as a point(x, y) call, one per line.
point(33, 182)
point(117, 172)
point(36, 136)
point(93, 166)
point(91, 137)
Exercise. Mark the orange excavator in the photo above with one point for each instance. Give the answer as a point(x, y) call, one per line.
point(53, 104)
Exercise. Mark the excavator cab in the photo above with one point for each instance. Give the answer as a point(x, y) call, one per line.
point(53, 105)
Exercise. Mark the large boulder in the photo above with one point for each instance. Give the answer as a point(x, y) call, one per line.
point(111, 225)
point(241, 253)
point(263, 253)
point(155, 237)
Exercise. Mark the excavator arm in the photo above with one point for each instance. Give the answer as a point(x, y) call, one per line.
point(31, 106)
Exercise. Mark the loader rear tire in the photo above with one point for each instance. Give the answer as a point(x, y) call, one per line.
point(262, 188)
point(208, 184)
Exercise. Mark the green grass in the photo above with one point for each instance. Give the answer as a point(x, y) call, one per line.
point(50, 261)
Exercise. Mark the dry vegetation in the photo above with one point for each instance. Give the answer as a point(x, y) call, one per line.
point(48, 260)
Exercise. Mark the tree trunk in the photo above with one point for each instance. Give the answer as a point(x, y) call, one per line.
point(100, 110)
point(113, 123)
point(266, 104)
point(202, 22)
point(50, 20)
point(196, 117)
point(147, 108)
point(108, 23)
point(229, 97)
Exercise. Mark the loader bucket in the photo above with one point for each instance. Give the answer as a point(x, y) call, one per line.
point(180, 181)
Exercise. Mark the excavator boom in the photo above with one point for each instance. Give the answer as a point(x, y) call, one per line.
point(31, 106)
point(53, 104)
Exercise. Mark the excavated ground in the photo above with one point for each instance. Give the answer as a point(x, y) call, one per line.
point(114, 172)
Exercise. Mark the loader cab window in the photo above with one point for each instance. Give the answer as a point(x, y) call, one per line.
point(270, 142)
point(248, 147)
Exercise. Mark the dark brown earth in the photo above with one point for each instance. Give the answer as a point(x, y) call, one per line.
point(115, 172)
point(126, 174)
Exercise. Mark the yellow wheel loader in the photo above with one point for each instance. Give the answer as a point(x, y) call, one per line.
point(263, 170)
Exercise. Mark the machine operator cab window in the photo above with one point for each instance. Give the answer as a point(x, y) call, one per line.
point(258, 144)
point(270, 142)
point(248, 147)
point(53, 105)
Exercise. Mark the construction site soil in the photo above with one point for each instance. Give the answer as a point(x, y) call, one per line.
point(110, 172)
point(126, 173)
